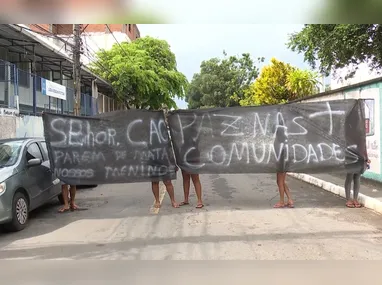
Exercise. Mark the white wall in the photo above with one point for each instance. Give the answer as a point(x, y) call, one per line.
point(363, 74)
point(20, 127)
point(93, 42)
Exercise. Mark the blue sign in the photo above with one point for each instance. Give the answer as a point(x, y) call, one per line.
point(53, 89)
point(43, 86)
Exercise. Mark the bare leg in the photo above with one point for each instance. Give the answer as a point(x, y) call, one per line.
point(288, 194)
point(65, 196)
point(198, 189)
point(155, 189)
point(348, 180)
point(73, 190)
point(357, 182)
point(186, 187)
point(170, 191)
point(280, 184)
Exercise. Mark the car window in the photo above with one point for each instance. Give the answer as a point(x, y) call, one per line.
point(9, 152)
point(44, 150)
point(33, 151)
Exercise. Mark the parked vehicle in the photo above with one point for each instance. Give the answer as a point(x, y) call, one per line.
point(26, 180)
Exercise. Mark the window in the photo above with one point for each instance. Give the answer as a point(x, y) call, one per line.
point(3, 70)
point(44, 149)
point(38, 83)
point(129, 27)
point(24, 78)
point(34, 152)
point(9, 152)
point(369, 116)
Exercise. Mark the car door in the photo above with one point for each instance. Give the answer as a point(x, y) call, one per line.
point(39, 177)
point(54, 187)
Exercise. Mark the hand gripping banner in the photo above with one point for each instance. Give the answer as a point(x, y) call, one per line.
point(117, 147)
point(318, 137)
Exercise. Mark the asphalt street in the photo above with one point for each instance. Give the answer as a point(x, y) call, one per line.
point(238, 222)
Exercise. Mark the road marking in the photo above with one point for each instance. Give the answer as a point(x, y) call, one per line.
point(162, 193)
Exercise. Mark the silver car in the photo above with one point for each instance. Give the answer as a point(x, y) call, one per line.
point(26, 180)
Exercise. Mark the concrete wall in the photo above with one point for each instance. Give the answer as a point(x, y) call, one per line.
point(7, 127)
point(372, 94)
point(19, 127)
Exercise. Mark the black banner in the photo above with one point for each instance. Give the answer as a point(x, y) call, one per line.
point(319, 137)
point(116, 147)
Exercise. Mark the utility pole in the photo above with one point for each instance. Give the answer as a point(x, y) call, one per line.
point(77, 68)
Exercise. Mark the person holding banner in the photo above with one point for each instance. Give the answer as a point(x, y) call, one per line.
point(190, 150)
point(166, 181)
point(279, 145)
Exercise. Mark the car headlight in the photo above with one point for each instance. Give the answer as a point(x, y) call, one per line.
point(3, 187)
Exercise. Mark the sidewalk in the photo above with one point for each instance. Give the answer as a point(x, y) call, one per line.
point(370, 193)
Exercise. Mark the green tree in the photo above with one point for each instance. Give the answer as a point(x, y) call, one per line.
point(280, 82)
point(143, 73)
point(337, 46)
point(348, 11)
point(221, 82)
point(302, 83)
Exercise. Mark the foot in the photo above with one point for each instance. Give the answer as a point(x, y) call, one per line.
point(64, 209)
point(279, 205)
point(290, 204)
point(199, 206)
point(73, 207)
point(184, 203)
point(350, 204)
point(157, 205)
point(174, 204)
point(357, 204)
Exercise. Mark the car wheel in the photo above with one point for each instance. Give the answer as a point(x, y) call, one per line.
point(20, 213)
point(61, 199)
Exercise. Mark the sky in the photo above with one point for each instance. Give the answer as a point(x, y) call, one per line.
point(192, 43)
point(238, 11)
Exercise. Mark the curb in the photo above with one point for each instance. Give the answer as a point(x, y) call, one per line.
point(368, 202)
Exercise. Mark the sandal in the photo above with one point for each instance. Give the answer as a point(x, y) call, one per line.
point(184, 204)
point(199, 206)
point(279, 205)
point(350, 204)
point(357, 204)
point(290, 205)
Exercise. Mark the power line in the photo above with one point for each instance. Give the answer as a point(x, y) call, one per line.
point(107, 26)
point(48, 33)
point(84, 28)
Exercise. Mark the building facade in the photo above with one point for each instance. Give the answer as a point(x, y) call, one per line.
point(32, 53)
point(94, 36)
